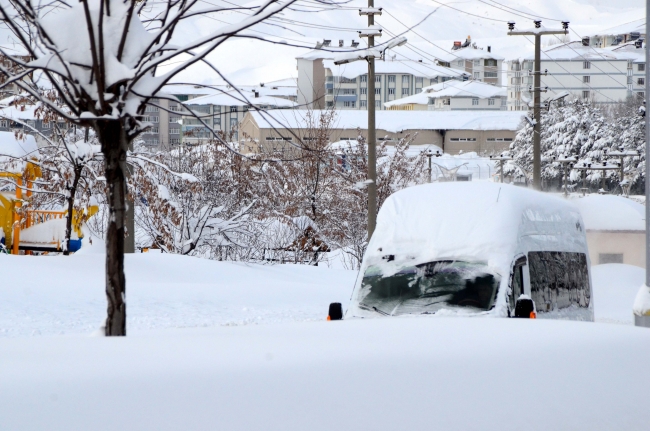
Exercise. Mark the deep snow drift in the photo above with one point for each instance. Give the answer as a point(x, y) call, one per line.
point(65, 295)
point(615, 287)
point(371, 374)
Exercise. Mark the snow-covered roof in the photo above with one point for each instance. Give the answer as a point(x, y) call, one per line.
point(233, 98)
point(396, 121)
point(20, 112)
point(186, 89)
point(576, 51)
point(626, 28)
point(417, 68)
point(452, 88)
point(607, 212)
point(469, 53)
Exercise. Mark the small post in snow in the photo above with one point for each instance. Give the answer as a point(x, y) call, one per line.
point(430, 154)
point(567, 163)
point(502, 158)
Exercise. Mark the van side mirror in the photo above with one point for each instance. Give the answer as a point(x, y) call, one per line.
point(525, 308)
point(336, 311)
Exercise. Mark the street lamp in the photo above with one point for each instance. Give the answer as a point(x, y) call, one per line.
point(430, 154)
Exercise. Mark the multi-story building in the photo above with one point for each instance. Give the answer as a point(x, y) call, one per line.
point(454, 96)
point(322, 84)
point(13, 88)
point(602, 75)
point(480, 64)
point(223, 112)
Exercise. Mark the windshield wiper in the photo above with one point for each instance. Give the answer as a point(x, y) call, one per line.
point(375, 309)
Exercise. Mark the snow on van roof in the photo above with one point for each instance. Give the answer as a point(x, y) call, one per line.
point(478, 221)
point(606, 212)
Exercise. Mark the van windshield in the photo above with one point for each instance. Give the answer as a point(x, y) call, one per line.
point(429, 287)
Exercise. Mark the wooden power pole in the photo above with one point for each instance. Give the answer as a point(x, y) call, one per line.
point(538, 32)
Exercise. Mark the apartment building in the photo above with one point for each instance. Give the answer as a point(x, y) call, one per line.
point(602, 75)
point(478, 63)
point(454, 96)
point(13, 88)
point(322, 84)
point(223, 112)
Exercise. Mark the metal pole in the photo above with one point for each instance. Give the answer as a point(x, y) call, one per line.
point(537, 158)
point(372, 149)
point(429, 156)
point(501, 169)
point(642, 317)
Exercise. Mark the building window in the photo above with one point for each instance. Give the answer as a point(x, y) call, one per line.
point(377, 104)
point(217, 121)
point(174, 131)
point(418, 90)
point(640, 95)
point(586, 65)
point(419, 80)
point(364, 78)
point(610, 258)
point(477, 62)
point(460, 62)
point(377, 78)
point(174, 119)
point(233, 109)
point(586, 79)
point(330, 91)
point(474, 101)
point(490, 62)
point(477, 75)
point(4, 124)
point(363, 90)
point(391, 91)
point(641, 67)
point(377, 90)
point(640, 81)
point(463, 139)
point(174, 141)
point(45, 125)
point(363, 103)
point(490, 102)
point(405, 91)
point(150, 108)
point(586, 94)
point(490, 75)
point(349, 104)
point(405, 80)
point(233, 123)
point(330, 104)
point(151, 119)
point(349, 91)
point(629, 79)
point(391, 78)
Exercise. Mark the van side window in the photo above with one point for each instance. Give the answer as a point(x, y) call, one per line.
point(558, 280)
point(516, 282)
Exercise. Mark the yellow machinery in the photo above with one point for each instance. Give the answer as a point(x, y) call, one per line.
point(12, 219)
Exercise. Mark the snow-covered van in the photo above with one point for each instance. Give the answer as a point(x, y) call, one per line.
point(481, 248)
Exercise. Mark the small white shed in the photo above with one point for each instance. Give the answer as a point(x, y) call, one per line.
point(615, 229)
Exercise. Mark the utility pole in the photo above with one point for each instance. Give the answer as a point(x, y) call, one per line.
point(369, 55)
point(538, 32)
point(372, 132)
point(641, 307)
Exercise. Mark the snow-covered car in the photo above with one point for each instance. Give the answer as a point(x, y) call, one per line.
point(475, 249)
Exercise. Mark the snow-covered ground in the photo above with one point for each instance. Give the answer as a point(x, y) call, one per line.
point(615, 287)
point(372, 374)
point(65, 295)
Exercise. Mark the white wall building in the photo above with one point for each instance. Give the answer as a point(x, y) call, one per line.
point(603, 75)
point(618, 35)
point(322, 84)
point(454, 96)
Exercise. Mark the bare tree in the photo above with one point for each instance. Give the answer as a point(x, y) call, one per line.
point(101, 58)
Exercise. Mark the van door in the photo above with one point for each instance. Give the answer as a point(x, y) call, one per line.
point(517, 278)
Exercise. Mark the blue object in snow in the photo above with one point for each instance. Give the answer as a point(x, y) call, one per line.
point(75, 245)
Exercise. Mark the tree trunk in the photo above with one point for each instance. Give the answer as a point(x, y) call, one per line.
point(114, 142)
point(72, 193)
